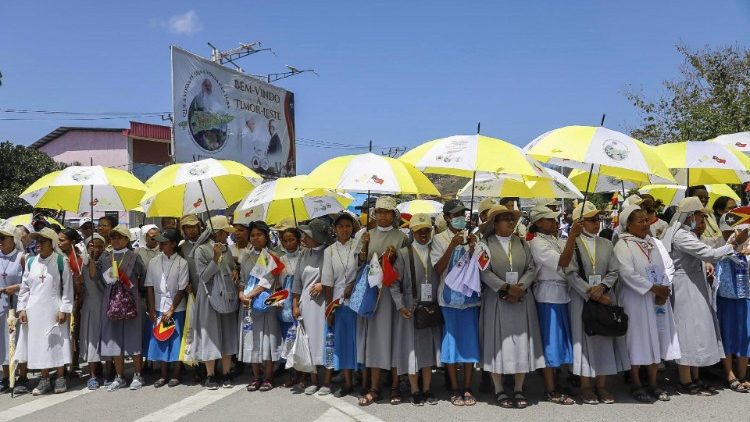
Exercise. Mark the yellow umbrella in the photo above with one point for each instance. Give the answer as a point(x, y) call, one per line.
point(700, 163)
point(420, 206)
point(201, 186)
point(498, 186)
point(278, 199)
point(600, 182)
point(25, 219)
point(672, 194)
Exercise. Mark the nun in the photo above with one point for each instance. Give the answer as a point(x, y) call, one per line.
point(90, 324)
point(215, 327)
point(697, 326)
point(309, 299)
point(12, 262)
point(416, 351)
point(594, 357)
point(511, 341)
point(290, 238)
point(646, 273)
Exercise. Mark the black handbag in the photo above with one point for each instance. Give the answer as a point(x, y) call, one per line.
point(426, 315)
point(600, 319)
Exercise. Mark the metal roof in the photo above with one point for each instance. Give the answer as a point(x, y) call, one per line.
point(62, 130)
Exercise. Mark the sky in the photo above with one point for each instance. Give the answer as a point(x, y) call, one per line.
point(398, 73)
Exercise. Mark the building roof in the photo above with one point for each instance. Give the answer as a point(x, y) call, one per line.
point(137, 130)
point(62, 130)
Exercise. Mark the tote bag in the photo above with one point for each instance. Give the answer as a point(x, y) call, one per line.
point(364, 298)
point(300, 357)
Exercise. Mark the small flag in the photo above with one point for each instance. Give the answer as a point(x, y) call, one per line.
point(738, 216)
point(389, 273)
point(332, 307)
point(276, 298)
point(163, 330)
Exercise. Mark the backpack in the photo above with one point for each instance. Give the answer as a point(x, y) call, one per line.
point(60, 268)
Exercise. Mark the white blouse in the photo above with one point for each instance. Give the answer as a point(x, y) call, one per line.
point(551, 286)
point(339, 266)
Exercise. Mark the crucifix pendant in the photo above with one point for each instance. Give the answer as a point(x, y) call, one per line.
point(41, 277)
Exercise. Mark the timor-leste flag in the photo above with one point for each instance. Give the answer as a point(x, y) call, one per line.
point(738, 216)
point(163, 330)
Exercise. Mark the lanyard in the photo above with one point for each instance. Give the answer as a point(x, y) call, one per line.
point(592, 256)
point(509, 252)
point(424, 265)
point(644, 251)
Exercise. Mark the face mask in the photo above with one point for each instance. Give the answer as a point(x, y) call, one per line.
point(693, 225)
point(458, 223)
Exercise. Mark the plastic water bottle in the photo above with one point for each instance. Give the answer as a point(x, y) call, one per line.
point(247, 322)
point(741, 277)
point(329, 348)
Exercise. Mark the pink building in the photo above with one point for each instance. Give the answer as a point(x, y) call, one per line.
point(142, 149)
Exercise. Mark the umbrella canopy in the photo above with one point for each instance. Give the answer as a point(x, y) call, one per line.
point(370, 173)
point(673, 194)
point(700, 163)
point(192, 188)
point(739, 140)
point(600, 150)
point(497, 186)
point(79, 188)
point(464, 155)
point(600, 182)
point(25, 220)
point(277, 199)
point(420, 206)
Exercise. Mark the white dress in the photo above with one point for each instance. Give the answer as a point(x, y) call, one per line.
point(651, 338)
point(42, 343)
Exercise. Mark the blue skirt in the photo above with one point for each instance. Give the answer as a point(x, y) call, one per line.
point(734, 324)
point(168, 350)
point(554, 325)
point(344, 339)
point(460, 335)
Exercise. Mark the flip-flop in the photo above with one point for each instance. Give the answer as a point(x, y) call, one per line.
point(519, 400)
point(371, 397)
point(504, 400)
point(469, 399)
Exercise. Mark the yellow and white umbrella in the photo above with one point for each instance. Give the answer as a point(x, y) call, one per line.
point(673, 194)
point(81, 188)
point(467, 155)
point(600, 182)
point(701, 163)
point(498, 186)
point(200, 186)
point(278, 199)
point(25, 220)
point(600, 150)
point(420, 206)
point(370, 173)
point(739, 140)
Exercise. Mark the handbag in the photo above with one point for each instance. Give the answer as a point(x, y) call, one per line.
point(259, 302)
point(121, 305)
point(300, 357)
point(364, 298)
point(598, 318)
point(426, 315)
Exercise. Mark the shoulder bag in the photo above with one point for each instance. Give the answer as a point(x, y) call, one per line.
point(426, 315)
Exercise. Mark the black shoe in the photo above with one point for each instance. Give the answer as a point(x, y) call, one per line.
point(430, 398)
point(211, 383)
point(22, 386)
point(417, 399)
point(4, 385)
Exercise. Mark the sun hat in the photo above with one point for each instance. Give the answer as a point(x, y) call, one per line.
point(585, 210)
point(488, 227)
point(285, 224)
point(45, 233)
point(386, 203)
point(539, 212)
point(420, 221)
point(485, 204)
point(189, 220)
point(319, 230)
point(221, 222)
point(122, 230)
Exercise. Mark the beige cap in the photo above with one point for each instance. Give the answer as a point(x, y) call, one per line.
point(386, 203)
point(122, 230)
point(440, 223)
point(585, 210)
point(45, 233)
point(539, 212)
point(189, 220)
point(420, 221)
point(285, 223)
point(7, 230)
point(221, 222)
point(632, 200)
point(486, 204)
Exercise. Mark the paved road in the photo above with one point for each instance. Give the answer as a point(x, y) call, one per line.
point(193, 403)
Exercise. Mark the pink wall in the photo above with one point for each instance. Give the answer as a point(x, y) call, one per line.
point(106, 148)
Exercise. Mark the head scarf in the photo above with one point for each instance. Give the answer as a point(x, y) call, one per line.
point(624, 215)
point(678, 219)
point(142, 238)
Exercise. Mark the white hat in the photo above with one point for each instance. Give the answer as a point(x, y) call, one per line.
point(539, 212)
point(632, 200)
point(585, 210)
point(122, 230)
point(46, 233)
point(624, 215)
point(221, 222)
point(420, 221)
point(692, 204)
point(386, 203)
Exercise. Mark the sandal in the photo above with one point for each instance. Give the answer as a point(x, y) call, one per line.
point(371, 397)
point(559, 398)
point(690, 388)
point(745, 383)
point(641, 395)
point(736, 386)
point(160, 383)
point(706, 388)
point(457, 399)
point(605, 396)
point(659, 393)
point(588, 397)
point(254, 385)
point(395, 396)
point(469, 399)
point(174, 382)
point(519, 400)
point(504, 400)
point(266, 386)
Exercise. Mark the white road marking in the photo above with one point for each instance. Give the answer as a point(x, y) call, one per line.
point(40, 403)
point(354, 412)
point(190, 405)
point(333, 415)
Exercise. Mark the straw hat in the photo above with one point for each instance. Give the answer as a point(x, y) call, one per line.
point(386, 203)
point(284, 224)
point(221, 222)
point(189, 220)
point(486, 204)
point(488, 227)
point(45, 233)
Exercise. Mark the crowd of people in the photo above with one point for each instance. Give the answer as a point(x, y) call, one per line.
point(503, 297)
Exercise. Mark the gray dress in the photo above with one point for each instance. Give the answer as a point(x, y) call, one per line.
point(509, 332)
point(594, 355)
point(214, 334)
point(414, 349)
point(263, 341)
point(90, 323)
point(186, 249)
point(695, 319)
point(309, 268)
point(374, 333)
point(122, 338)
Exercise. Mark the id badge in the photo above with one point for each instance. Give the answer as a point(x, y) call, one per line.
point(426, 292)
point(511, 277)
point(595, 280)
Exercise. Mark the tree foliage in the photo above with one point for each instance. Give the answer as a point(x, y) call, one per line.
point(710, 98)
point(21, 166)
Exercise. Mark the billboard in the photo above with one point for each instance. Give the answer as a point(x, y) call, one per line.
point(224, 114)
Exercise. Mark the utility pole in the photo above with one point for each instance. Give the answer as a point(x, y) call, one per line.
point(247, 49)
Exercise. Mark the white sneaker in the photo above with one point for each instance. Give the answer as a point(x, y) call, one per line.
point(311, 390)
point(116, 384)
point(137, 382)
point(324, 391)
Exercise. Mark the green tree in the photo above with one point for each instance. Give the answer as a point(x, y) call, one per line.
point(21, 166)
point(710, 98)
